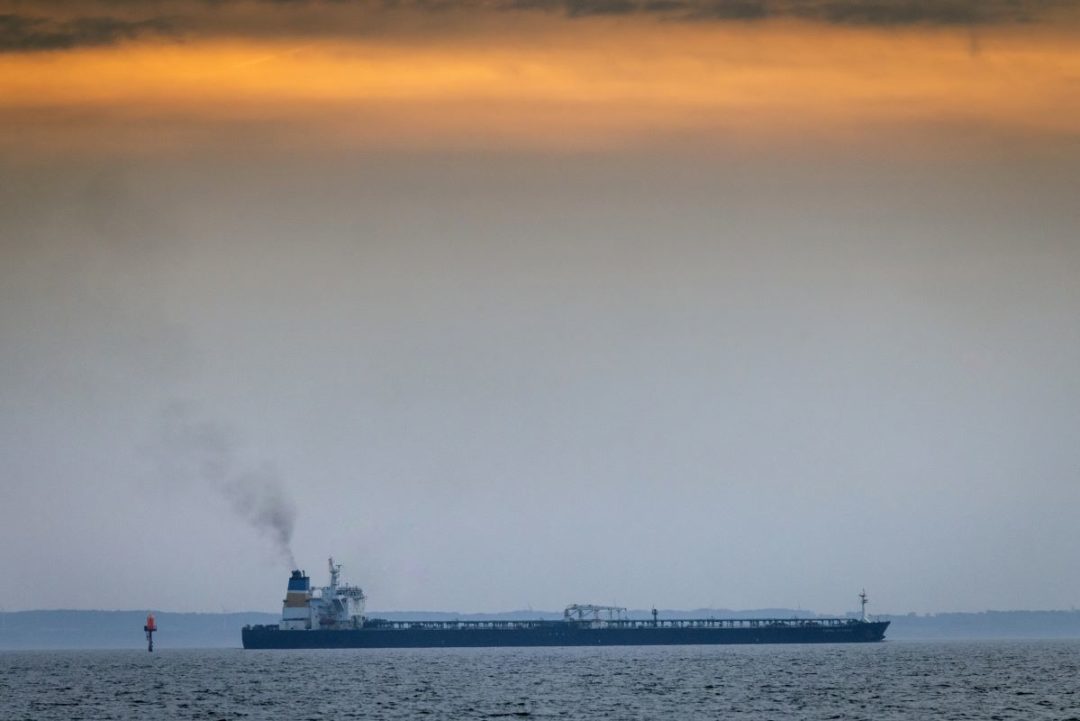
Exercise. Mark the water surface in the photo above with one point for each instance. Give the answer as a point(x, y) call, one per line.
point(891, 680)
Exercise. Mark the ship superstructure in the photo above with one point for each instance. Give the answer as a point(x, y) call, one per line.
point(333, 617)
point(337, 606)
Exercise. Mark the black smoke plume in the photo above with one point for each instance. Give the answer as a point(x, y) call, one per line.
point(195, 449)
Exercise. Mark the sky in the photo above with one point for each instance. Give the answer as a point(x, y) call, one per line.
point(516, 304)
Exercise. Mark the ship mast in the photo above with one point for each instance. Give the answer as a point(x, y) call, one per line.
point(335, 571)
point(863, 600)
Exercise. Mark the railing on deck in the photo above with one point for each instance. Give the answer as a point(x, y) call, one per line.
point(644, 624)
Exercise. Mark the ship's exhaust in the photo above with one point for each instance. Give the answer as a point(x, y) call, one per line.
point(190, 447)
point(260, 498)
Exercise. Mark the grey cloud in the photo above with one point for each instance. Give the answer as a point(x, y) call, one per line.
point(22, 33)
point(580, 8)
point(729, 10)
point(910, 12)
point(64, 25)
point(675, 9)
point(847, 12)
point(665, 6)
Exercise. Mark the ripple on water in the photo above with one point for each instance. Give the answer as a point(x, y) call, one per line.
point(892, 680)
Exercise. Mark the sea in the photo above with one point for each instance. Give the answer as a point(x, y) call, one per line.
point(890, 680)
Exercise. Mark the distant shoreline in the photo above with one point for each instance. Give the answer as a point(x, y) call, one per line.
point(82, 629)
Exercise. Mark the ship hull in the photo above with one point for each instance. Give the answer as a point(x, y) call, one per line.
point(557, 634)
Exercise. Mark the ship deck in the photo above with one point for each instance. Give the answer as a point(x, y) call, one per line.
point(716, 623)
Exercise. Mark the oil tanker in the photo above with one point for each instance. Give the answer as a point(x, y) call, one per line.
point(333, 617)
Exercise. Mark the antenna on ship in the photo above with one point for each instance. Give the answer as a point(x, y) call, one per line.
point(863, 600)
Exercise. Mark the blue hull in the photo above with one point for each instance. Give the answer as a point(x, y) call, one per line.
point(560, 634)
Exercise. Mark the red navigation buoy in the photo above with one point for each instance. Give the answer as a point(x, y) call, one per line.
point(150, 627)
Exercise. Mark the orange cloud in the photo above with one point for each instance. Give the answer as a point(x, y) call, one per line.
point(593, 83)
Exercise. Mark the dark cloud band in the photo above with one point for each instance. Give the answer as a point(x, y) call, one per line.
point(860, 12)
point(20, 33)
point(65, 24)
